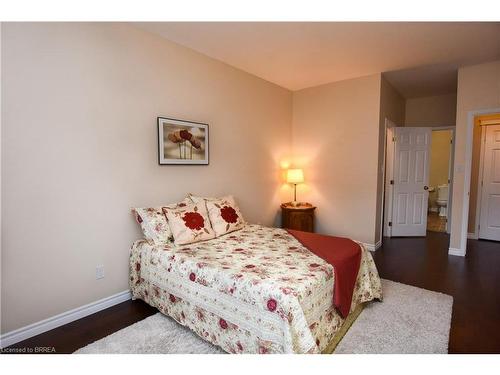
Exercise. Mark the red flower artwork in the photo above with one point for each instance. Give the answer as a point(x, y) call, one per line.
point(172, 298)
point(229, 214)
point(185, 135)
point(193, 220)
point(272, 304)
point(222, 323)
point(192, 276)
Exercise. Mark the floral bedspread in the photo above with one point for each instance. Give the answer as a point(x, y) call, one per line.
point(256, 290)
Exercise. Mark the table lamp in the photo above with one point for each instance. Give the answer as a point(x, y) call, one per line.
point(294, 176)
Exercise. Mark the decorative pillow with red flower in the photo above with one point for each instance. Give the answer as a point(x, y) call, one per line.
point(189, 223)
point(225, 215)
point(198, 199)
point(154, 223)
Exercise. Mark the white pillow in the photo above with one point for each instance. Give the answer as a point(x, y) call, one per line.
point(154, 223)
point(224, 215)
point(197, 199)
point(189, 223)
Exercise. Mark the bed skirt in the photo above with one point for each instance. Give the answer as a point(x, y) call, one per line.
point(349, 321)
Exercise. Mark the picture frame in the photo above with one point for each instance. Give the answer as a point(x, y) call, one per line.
point(182, 142)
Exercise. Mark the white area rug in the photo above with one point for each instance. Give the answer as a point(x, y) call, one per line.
point(410, 320)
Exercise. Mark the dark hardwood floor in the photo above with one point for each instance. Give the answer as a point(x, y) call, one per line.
point(473, 281)
point(70, 337)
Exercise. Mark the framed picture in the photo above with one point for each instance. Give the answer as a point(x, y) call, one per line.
point(182, 142)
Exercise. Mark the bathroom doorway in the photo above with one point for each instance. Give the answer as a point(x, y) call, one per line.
point(418, 180)
point(440, 178)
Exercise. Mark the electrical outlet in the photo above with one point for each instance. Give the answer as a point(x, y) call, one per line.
point(99, 272)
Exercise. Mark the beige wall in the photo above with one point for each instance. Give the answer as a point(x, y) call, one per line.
point(439, 165)
point(392, 107)
point(335, 135)
point(478, 89)
point(431, 111)
point(79, 148)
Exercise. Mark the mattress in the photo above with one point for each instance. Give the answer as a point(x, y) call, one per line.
point(256, 290)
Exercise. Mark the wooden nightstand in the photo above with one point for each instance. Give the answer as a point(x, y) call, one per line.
point(299, 217)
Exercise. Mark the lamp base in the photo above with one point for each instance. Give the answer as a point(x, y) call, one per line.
point(294, 204)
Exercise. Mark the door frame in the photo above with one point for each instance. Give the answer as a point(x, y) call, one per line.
point(386, 214)
point(477, 219)
point(475, 235)
point(387, 199)
point(467, 167)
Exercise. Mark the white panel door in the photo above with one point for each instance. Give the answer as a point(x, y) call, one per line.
point(489, 223)
point(411, 180)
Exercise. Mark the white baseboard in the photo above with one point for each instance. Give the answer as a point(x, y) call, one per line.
point(372, 247)
point(457, 252)
point(472, 236)
point(45, 325)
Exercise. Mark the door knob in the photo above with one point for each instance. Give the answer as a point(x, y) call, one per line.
point(426, 187)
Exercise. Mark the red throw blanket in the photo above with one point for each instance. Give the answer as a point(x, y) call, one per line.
point(345, 257)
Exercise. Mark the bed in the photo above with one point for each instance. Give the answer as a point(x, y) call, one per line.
point(256, 290)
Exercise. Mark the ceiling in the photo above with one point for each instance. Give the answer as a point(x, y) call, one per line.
point(419, 59)
point(427, 80)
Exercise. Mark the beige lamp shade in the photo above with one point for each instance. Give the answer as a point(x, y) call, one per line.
point(294, 176)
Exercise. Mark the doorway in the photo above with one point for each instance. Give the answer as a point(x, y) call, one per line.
point(484, 211)
point(440, 177)
point(418, 184)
